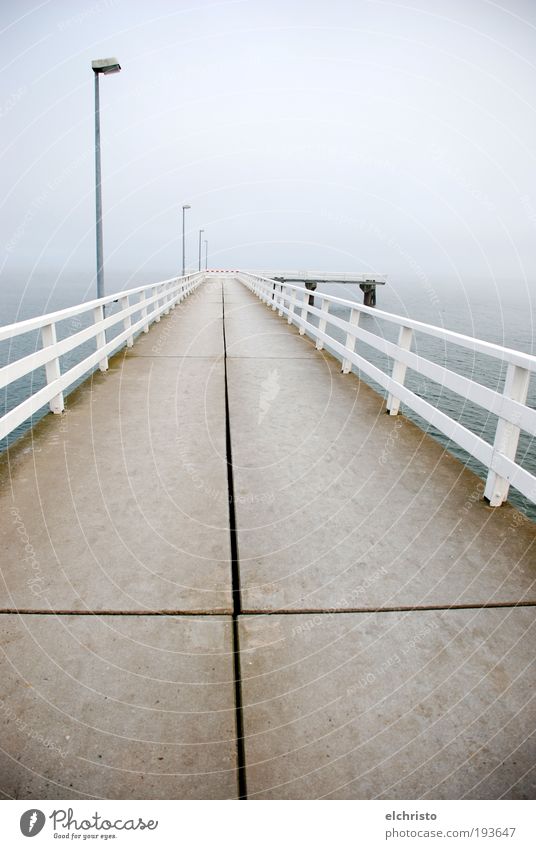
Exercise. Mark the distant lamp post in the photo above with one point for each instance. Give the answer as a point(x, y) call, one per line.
point(200, 234)
point(206, 254)
point(100, 66)
point(184, 208)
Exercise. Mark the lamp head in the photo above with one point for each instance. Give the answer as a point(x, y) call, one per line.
point(106, 66)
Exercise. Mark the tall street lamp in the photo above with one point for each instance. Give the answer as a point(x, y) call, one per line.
point(200, 234)
point(206, 254)
point(100, 66)
point(184, 208)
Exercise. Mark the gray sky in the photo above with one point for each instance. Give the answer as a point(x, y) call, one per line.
point(393, 137)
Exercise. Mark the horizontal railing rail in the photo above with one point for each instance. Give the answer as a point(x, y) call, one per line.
point(510, 405)
point(138, 309)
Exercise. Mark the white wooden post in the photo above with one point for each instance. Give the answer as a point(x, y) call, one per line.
point(291, 307)
point(144, 312)
point(174, 294)
point(516, 387)
point(100, 337)
point(405, 337)
point(52, 368)
point(350, 340)
point(304, 310)
point(324, 309)
point(274, 297)
point(156, 303)
point(281, 300)
point(127, 324)
point(166, 299)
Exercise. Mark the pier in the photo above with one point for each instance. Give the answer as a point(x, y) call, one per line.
point(231, 569)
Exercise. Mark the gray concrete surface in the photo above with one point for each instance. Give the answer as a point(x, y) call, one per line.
point(420, 705)
point(119, 509)
point(117, 707)
point(124, 497)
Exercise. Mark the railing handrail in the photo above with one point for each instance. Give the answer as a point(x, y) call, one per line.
point(510, 407)
point(491, 349)
point(163, 297)
point(17, 328)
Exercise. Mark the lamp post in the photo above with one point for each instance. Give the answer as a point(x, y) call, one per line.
point(206, 254)
point(200, 234)
point(100, 66)
point(184, 208)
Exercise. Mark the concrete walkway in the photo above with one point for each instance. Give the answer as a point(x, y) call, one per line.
point(381, 612)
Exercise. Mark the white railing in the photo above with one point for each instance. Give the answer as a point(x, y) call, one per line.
point(138, 309)
point(509, 405)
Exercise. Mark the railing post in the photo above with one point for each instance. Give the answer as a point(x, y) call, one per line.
point(52, 368)
point(291, 307)
point(175, 294)
point(405, 337)
point(274, 297)
point(100, 336)
point(324, 309)
point(516, 386)
point(281, 300)
point(127, 324)
point(156, 303)
point(350, 340)
point(165, 300)
point(144, 311)
point(304, 310)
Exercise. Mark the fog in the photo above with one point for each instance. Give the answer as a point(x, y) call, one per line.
point(381, 137)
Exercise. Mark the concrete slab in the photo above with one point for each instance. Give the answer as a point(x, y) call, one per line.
point(122, 502)
point(340, 506)
point(422, 705)
point(234, 290)
point(252, 330)
point(251, 336)
point(117, 707)
point(193, 329)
